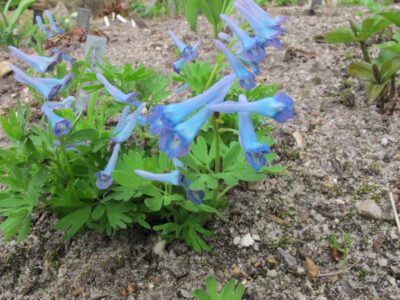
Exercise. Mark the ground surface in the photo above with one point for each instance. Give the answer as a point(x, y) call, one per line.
point(349, 155)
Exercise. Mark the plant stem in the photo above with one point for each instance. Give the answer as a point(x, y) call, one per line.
point(217, 168)
point(66, 163)
point(212, 76)
point(364, 50)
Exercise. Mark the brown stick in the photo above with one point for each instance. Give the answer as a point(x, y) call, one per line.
point(396, 216)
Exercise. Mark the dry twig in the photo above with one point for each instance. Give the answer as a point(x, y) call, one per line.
point(396, 216)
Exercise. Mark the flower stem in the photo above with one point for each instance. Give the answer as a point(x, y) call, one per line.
point(66, 158)
point(364, 50)
point(217, 168)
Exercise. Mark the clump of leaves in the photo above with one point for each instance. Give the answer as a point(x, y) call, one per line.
point(230, 291)
point(380, 71)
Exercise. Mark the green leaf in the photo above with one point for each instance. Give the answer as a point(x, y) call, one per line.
point(392, 16)
point(73, 222)
point(200, 151)
point(391, 46)
point(88, 134)
point(191, 13)
point(154, 204)
point(276, 170)
point(340, 35)
point(127, 179)
point(98, 211)
point(117, 216)
point(390, 68)
point(372, 26)
point(231, 156)
point(362, 70)
point(375, 90)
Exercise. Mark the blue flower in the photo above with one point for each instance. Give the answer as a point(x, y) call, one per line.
point(173, 177)
point(254, 150)
point(41, 64)
point(251, 50)
point(53, 25)
point(117, 93)
point(66, 103)
point(104, 179)
point(266, 28)
point(41, 26)
point(247, 79)
point(126, 124)
point(188, 53)
point(65, 57)
point(48, 87)
point(172, 114)
point(177, 179)
point(60, 125)
point(278, 107)
point(175, 142)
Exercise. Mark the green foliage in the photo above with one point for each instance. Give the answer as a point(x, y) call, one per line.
point(210, 9)
point(343, 246)
point(7, 26)
point(230, 291)
point(379, 72)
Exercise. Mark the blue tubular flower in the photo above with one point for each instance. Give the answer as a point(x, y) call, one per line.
point(173, 177)
point(196, 197)
point(172, 114)
point(254, 150)
point(259, 13)
point(267, 29)
point(177, 179)
point(41, 26)
point(278, 107)
point(247, 79)
point(41, 64)
point(69, 59)
point(117, 93)
point(126, 124)
point(53, 25)
point(60, 125)
point(251, 50)
point(48, 87)
point(188, 53)
point(66, 103)
point(72, 146)
point(104, 179)
point(176, 142)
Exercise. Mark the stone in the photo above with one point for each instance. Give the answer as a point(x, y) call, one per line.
point(159, 247)
point(83, 18)
point(138, 20)
point(290, 260)
point(369, 209)
point(61, 10)
point(5, 69)
point(384, 141)
point(246, 240)
point(272, 273)
point(383, 262)
point(301, 144)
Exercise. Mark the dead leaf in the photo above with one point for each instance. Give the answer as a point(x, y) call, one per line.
point(336, 255)
point(123, 292)
point(311, 267)
point(378, 242)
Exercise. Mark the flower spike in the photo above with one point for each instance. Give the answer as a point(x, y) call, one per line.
point(278, 107)
point(53, 25)
point(251, 49)
point(117, 93)
point(41, 64)
point(172, 114)
point(247, 79)
point(41, 26)
point(126, 124)
point(60, 125)
point(254, 150)
point(104, 179)
point(188, 53)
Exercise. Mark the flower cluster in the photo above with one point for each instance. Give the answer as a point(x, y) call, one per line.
point(176, 131)
point(178, 124)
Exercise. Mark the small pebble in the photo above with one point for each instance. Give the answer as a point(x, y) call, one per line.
point(369, 209)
